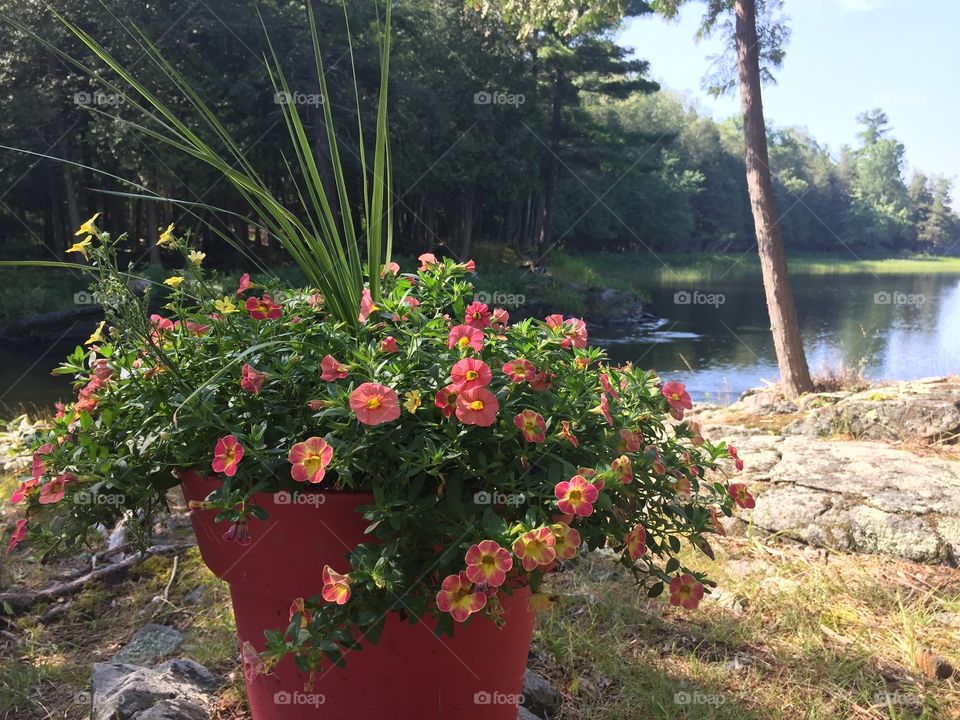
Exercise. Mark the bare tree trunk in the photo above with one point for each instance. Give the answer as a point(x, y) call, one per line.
point(553, 170)
point(794, 372)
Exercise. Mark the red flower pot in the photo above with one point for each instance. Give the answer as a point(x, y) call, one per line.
point(411, 673)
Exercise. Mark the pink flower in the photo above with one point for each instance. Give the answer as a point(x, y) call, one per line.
point(389, 345)
point(535, 548)
point(101, 369)
point(732, 451)
point(623, 469)
point(251, 380)
point(227, 455)
point(573, 330)
point(427, 261)
point(411, 301)
point(636, 541)
point(309, 460)
point(367, 306)
point(252, 664)
point(677, 397)
point(18, 535)
point(520, 370)
point(608, 386)
point(53, 491)
point(239, 533)
point(336, 587)
point(683, 487)
point(630, 440)
point(464, 336)
point(542, 381)
point(375, 404)
point(603, 409)
point(567, 541)
point(392, 268)
point(576, 496)
point(568, 434)
point(742, 496)
point(686, 592)
point(477, 315)
point(488, 563)
point(332, 370)
point(470, 266)
point(477, 406)
point(500, 319)
point(244, 284)
point(532, 425)
point(458, 597)
point(715, 521)
point(39, 467)
point(299, 607)
point(21, 492)
point(471, 373)
point(446, 400)
point(263, 308)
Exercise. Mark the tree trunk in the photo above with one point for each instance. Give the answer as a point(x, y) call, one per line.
point(794, 372)
point(466, 224)
point(553, 170)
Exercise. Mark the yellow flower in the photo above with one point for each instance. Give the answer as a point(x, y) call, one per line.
point(97, 334)
point(174, 282)
point(81, 247)
point(166, 237)
point(225, 306)
point(196, 257)
point(413, 401)
point(88, 228)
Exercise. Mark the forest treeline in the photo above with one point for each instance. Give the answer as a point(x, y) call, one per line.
point(556, 137)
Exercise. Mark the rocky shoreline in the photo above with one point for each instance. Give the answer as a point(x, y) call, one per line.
point(876, 471)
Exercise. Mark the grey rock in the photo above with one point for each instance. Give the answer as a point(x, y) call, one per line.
point(190, 671)
point(149, 644)
point(177, 689)
point(193, 597)
point(539, 696)
point(174, 710)
point(524, 714)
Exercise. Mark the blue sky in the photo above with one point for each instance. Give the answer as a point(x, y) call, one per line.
point(844, 57)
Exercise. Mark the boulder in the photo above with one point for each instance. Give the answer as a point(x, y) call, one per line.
point(149, 644)
point(539, 695)
point(178, 689)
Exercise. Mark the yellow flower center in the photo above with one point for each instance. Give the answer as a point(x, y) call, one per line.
point(471, 375)
point(476, 405)
point(373, 403)
point(463, 342)
point(575, 496)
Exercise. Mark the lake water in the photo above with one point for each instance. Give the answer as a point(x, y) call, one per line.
point(715, 337)
point(898, 326)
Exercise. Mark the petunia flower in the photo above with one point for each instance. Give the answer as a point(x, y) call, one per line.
point(389, 345)
point(263, 308)
point(367, 306)
point(603, 409)
point(573, 330)
point(520, 370)
point(392, 268)
point(608, 386)
point(375, 404)
point(683, 488)
point(715, 521)
point(470, 266)
point(630, 440)
point(225, 306)
point(336, 587)
point(567, 434)
point(97, 336)
point(622, 468)
point(196, 257)
point(227, 455)
point(298, 607)
point(412, 401)
point(742, 496)
point(477, 315)
point(488, 563)
point(54, 491)
point(166, 237)
point(677, 397)
point(470, 373)
point(309, 460)
point(686, 592)
point(536, 548)
point(18, 535)
point(477, 406)
point(332, 370)
point(446, 399)
point(244, 284)
point(174, 282)
point(464, 336)
point(81, 247)
point(89, 227)
point(732, 452)
point(576, 496)
point(238, 532)
point(251, 380)
point(38, 467)
point(532, 425)
point(636, 542)
point(253, 664)
point(567, 541)
point(21, 492)
point(499, 319)
point(459, 597)
point(427, 261)
point(542, 381)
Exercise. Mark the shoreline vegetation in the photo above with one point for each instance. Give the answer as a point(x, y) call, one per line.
point(568, 284)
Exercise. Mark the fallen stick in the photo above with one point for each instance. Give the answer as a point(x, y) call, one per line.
point(20, 601)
